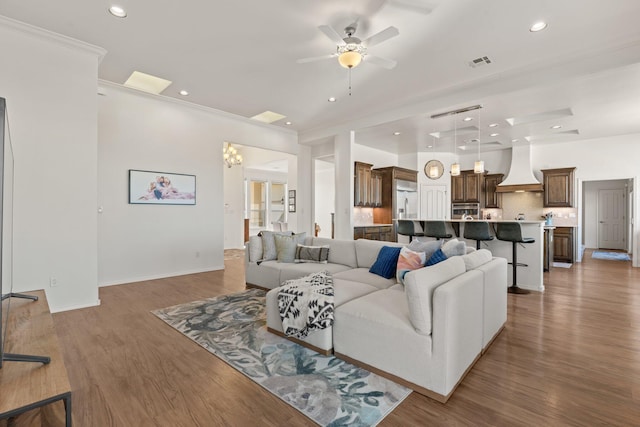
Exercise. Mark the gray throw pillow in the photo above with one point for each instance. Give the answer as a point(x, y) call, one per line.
point(454, 247)
point(317, 254)
point(255, 248)
point(269, 251)
point(429, 248)
point(286, 246)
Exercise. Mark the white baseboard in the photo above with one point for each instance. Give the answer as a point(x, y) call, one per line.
point(74, 307)
point(159, 276)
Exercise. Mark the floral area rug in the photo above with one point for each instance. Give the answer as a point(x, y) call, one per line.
point(328, 390)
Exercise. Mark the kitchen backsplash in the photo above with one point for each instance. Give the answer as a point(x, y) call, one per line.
point(563, 217)
point(529, 204)
point(362, 216)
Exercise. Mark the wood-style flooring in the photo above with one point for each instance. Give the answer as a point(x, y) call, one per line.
point(569, 356)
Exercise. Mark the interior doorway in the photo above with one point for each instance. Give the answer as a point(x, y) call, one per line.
point(433, 201)
point(611, 219)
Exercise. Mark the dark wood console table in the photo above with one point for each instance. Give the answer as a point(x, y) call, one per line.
point(27, 385)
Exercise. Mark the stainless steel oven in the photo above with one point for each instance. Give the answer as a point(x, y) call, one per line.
point(460, 210)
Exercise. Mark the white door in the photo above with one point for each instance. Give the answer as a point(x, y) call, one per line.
point(611, 219)
point(433, 201)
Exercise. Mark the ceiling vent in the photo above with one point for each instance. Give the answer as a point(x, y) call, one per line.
point(479, 61)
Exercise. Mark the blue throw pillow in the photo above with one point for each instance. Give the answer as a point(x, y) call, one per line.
point(386, 263)
point(438, 256)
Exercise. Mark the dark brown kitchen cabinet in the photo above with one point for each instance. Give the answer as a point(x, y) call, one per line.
point(558, 187)
point(563, 244)
point(466, 187)
point(376, 188)
point(491, 198)
point(374, 232)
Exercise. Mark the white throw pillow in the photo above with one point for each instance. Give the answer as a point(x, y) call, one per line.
point(286, 246)
point(269, 251)
point(477, 258)
point(255, 248)
point(419, 286)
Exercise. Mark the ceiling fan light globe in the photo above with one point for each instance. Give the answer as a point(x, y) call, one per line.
point(350, 59)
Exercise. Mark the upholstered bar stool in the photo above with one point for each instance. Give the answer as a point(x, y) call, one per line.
point(512, 232)
point(406, 228)
point(436, 229)
point(478, 231)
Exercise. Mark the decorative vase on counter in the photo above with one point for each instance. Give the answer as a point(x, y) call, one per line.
point(548, 221)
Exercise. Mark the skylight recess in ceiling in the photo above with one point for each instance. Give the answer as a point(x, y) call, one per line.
point(147, 83)
point(538, 117)
point(268, 117)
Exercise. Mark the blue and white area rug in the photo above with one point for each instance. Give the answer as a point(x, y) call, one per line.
point(616, 256)
point(328, 390)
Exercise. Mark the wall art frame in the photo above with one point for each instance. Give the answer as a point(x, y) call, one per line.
point(161, 188)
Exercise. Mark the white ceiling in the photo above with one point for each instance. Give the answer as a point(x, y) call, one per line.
point(240, 56)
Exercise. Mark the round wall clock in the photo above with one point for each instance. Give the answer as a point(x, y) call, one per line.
point(433, 169)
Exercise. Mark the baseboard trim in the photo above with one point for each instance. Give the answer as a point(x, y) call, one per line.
point(415, 387)
point(160, 276)
point(74, 307)
point(302, 343)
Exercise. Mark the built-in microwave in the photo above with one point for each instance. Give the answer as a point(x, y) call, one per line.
point(460, 210)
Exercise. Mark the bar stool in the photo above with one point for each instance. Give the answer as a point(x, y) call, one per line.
point(512, 232)
point(478, 231)
point(405, 228)
point(436, 229)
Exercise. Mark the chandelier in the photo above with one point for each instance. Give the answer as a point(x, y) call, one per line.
point(231, 156)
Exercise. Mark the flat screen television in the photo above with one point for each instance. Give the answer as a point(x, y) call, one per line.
point(6, 240)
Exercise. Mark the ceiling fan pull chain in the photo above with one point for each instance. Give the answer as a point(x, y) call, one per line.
point(349, 81)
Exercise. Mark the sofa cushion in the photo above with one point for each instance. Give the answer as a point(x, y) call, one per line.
point(255, 248)
point(341, 251)
point(295, 271)
point(477, 258)
point(286, 246)
point(317, 254)
point(407, 261)
point(362, 275)
point(454, 247)
point(427, 247)
point(347, 290)
point(387, 262)
point(265, 274)
point(367, 251)
point(269, 251)
point(438, 256)
point(419, 287)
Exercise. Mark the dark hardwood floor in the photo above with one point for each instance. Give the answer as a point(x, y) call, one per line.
point(569, 356)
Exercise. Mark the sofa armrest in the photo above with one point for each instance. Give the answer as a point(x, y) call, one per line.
point(457, 327)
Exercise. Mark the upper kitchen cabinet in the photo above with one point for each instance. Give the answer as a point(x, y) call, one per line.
point(399, 194)
point(466, 187)
point(362, 184)
point(558, 187)
point(491, 198)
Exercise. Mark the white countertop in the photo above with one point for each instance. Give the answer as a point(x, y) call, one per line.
point(476, 220)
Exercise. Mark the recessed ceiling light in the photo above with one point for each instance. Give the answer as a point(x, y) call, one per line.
point(556, 127)
point(396, 133)
point(495, 134)
point(288, 123)
point(538, 26)
point(118, 12)
point(467, 119)
point(184, 93)
point(515, 140)
point(493, 125)
point(332, 99)
point(268, 117)
point(429, 146)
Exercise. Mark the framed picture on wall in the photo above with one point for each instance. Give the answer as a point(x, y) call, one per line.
point(161, 188)
point(292, 200)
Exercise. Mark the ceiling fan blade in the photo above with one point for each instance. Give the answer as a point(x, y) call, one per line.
point(413, 5)
point(380, 37)
point(315, 58)
point(331, 33)
point(389, 64)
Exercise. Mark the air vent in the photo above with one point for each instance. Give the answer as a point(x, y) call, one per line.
point(479, 61)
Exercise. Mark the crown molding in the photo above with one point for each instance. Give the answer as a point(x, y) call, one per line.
point(52, 37)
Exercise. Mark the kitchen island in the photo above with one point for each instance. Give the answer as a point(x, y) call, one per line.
point(529, 277)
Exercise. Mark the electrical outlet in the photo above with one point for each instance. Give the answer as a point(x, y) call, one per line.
point(53, 281)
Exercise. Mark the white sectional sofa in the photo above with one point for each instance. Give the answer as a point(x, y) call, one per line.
point(425, 334)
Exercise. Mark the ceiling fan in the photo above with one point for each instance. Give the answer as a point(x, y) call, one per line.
point(350, 50)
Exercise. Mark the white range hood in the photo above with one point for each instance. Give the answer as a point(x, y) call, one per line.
point(520, 177)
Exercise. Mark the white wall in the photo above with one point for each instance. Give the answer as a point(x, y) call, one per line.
point(49, 83)
point(141, 131)
point(378, 158)
point(233, 207)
